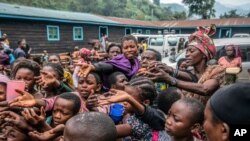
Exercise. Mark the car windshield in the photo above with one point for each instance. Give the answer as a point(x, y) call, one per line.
point(172, 40)
point(157, 41)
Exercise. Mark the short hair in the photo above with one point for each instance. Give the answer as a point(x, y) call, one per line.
point(196, 107)
point(127, 38)
point(114, 45)
point(112, 77)
point(94, 126)
point(56, 56)
point(27, 64)
point(147, 87)
point(75, 100)
point(157, 53)
point(166, 98)
point(57, 68)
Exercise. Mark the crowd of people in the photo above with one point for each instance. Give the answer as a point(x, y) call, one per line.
point(108, 94)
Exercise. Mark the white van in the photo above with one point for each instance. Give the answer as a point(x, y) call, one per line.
point(243, 43)
point(165, 43)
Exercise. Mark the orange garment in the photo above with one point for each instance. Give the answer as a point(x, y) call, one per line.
point(236, 62)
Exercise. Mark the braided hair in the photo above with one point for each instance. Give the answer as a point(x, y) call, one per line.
point(147, 87)
point(57, 68)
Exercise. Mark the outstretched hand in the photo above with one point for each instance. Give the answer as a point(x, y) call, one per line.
point(32, 117)
point(25, 100)
point(117, 96)
point(48, 135)
point(84, 69)
point(15, 119)
point(47, 80)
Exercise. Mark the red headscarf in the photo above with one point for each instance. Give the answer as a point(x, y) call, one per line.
point(85, 51)
point(201, 40)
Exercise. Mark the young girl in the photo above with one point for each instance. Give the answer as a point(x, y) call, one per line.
point(134, 98)
point(26, 70)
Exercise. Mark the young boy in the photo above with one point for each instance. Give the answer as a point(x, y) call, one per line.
point(90, 126)
point(66, 106)
point(117, 80)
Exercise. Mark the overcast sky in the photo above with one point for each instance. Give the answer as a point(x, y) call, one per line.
point(230, 2)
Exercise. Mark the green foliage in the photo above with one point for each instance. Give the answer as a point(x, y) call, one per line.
point(232, 14)
point(203, 8)
point(135, 9)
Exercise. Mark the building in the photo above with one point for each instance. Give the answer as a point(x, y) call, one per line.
point(59, 31)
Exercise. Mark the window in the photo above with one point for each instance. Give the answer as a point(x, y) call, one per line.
point(77, 33)
point(147, 31)
point(139, 31)
point(128, 31)
point(225, 33)
point(103, 30)
point(53, 33)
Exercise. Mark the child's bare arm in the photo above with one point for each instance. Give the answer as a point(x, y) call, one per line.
point(123, 130)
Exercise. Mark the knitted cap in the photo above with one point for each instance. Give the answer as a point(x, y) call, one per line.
point(231, 104)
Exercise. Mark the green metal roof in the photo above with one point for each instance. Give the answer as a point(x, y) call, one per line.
point(25, 12)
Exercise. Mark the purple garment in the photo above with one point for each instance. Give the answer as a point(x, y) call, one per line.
point(121, 63)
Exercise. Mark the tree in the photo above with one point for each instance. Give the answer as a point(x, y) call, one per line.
point(157, 2)
point(203, 8)
point(231, 14)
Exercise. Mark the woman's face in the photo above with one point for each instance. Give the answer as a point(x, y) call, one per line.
point(54, 59)
point(87, 86)
point(130, 49)
point(230, 51)
point(213, 130)
point(114, 51)
point(26, 75)
point(193, 56)
point(178, 121)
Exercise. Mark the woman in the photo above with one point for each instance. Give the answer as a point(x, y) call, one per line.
point(210, 77)
point(127, 62)
point(113, 50)
point(229, 61)
point(227, 111)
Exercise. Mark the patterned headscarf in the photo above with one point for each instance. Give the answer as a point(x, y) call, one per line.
point(85, 51)
point(201, 40)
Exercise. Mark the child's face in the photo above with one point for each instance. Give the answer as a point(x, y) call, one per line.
point(2, 92)
point(51, 70)
point(27, 76)
point(14, 134)
point(1, 67)
point(54, 59)
point(121, 82)
point(71, 68)
point(87, 86)
point(178, 121)
point(135, 94)
point(62, 111)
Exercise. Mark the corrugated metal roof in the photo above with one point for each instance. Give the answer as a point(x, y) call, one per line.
point(126, 21)
point(195, 23)
point(18, 10)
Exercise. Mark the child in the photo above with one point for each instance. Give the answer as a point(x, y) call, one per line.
point(66, 106)
point(117, 80)
point(166, 98)
point(91, 126)
point(134, 98)
point(25, 70)
point(184, 119)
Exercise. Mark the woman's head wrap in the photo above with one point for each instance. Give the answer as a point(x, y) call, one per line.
point(201, 40)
